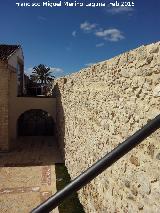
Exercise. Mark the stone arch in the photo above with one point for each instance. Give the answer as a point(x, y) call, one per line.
point(35, 122)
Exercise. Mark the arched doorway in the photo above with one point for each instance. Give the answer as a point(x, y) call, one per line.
point(35, 122)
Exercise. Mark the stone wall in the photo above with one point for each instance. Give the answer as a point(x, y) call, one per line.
point(99, 107)
point(4, 78)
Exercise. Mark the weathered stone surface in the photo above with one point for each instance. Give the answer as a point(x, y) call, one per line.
point(103, 105)
point(156, 91)
point(134, 160)
point(158, 156)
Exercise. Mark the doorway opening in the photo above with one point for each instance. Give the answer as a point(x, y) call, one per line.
point(35, 122)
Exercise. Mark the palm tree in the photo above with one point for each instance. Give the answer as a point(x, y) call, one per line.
point(42, 74)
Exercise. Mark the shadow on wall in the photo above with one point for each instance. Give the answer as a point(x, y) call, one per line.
point(36, 143)
point(60, 120)
point(72, 203)
point(33, 147)
point(32, 151)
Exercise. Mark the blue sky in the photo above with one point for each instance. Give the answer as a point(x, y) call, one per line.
point(68, 39)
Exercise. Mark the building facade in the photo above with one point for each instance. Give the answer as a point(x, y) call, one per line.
point(13, 99)
point(11, 61)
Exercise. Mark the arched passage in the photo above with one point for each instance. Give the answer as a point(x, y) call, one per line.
point(35, 122)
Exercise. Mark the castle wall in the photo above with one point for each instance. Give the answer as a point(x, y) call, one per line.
point(98, 108)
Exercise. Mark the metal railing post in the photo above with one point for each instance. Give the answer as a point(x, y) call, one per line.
point(99, 166)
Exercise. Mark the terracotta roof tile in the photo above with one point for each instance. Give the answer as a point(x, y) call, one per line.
point(7, 50)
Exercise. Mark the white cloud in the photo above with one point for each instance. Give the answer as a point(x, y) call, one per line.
point(120, 10)
point(112, 34)
point(74, 33)
point(89, 64)
point(68, 48)
point(42, 18)
point(87, 27)
point(56, 70)
point(100, 45)
point(29, 70)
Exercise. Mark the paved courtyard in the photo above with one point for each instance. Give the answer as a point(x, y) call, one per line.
point(27, 174)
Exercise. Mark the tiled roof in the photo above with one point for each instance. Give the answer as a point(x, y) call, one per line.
point(7, 50)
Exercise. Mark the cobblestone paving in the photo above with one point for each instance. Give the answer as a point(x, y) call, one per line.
point(27, 174)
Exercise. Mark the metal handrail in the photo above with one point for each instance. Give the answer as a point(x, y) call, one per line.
point(99, 166)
